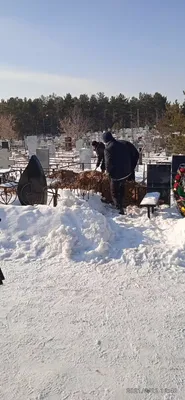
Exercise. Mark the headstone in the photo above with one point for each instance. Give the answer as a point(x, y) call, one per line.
point(159, 180)
point(31, 145)
point(4, 158)
point(43, 156)
point(32, 186)
point(51, 148)
point(79, 144)
point(85, 158)
point(5, 145)
point(177, 160)
point(68, 143)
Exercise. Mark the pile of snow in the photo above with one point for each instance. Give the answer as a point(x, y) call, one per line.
point(93, 303)
point(72, 230)
point(175, 237)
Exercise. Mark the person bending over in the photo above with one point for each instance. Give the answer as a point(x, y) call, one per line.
point(99, 148)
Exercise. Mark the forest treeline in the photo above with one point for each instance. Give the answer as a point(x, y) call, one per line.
point(44, 115)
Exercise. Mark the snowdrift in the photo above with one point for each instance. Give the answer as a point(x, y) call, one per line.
point(73, 230)
point(80, 230)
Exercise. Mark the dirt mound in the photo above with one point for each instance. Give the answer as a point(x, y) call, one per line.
point(98, 183)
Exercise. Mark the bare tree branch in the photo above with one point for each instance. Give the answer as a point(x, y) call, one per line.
point(6, 127)
point(76, 125)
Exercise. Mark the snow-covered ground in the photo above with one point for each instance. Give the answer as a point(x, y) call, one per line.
point(93, 303)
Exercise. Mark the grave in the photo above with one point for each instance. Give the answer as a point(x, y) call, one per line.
point(31, 143)
point(159, 180)
point(176, 161)
point(5, 145)
point(4, 159)
point(32, 186)
point(68, 143)
point(85, 158)
point(51, 148)
point(79, 144)
point(43, 156)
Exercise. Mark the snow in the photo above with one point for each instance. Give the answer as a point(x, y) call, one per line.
point(8, 184)
point(150, 199)
point(4, 170)
point(140, 173)
point(93, 302)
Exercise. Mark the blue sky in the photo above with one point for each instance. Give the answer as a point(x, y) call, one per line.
point(80, 46)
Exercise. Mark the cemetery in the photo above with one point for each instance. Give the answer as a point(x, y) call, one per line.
point(92, 200)
point(82, 287)
point(67, 167)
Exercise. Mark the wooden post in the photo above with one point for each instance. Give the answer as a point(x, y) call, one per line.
point(1, 277)
point(55, 197)
point(148, 211)
point(140, 156)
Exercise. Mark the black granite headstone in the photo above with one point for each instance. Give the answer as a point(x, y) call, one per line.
point(159, 180)
point(176, 161)
point(32, 186)
point(5, 145)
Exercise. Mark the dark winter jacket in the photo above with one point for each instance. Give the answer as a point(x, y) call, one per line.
point(99, 149)
point(118, 159)
point(134, 154)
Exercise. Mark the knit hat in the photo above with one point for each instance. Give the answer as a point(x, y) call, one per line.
point(107, 137)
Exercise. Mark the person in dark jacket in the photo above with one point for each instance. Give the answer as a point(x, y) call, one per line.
point(120, 161)
point(134, 154)
point(99, 148)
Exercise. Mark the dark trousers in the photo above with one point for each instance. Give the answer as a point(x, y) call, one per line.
point(117, 192)
point(102, 166)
